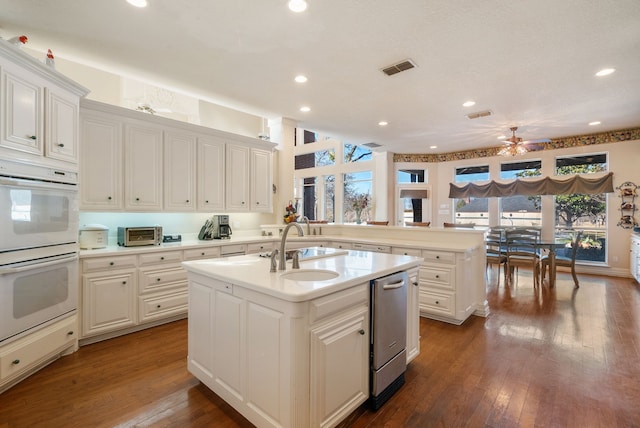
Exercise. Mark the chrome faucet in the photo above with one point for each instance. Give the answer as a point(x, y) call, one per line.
point(306, 220)
point(282, 253)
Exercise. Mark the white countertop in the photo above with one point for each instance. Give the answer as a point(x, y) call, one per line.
point(253, 272)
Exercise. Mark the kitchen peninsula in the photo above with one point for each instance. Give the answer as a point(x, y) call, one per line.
point(289, 348)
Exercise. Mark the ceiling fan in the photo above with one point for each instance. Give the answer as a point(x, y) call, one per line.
point(517, 146)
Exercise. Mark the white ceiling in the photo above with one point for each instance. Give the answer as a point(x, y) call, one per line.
point(531, 62)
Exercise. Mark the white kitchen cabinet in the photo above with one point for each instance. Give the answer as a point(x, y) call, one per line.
point(142, 167)
point(634, 263)
point(211, 174)
point(262, 354)
point(22, 115)
point(24, 356)
point(61, 137)
point(260, 247)
point(441, 274)
point(261, 181)
point(339, 366)
point(38, 111)
point(237, 178)
point(101, 160)
point(179, 171)
point(413, 306)
point(162, 285)
point(108, 301)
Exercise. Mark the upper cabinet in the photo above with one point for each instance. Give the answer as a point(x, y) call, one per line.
point(39, 111)
point(133, 161)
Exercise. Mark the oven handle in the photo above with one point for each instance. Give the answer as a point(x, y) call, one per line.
point(37, 184)
point(393, 285)
point(10, 270)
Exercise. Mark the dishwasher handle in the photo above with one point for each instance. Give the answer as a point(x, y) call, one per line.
point(393, 285)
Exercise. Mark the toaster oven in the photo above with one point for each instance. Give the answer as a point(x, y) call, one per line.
point(138, 236)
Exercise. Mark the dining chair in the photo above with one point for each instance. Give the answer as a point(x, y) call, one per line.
point(569, 262)
point(522, 250)
point(496, 255)
point(418, 223)
point(378, 223)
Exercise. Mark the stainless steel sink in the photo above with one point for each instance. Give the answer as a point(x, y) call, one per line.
point(310, 275)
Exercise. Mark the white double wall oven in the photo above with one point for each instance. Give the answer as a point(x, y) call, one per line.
point(38, 247)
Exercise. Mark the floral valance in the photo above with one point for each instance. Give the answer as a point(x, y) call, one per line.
point(545, 186)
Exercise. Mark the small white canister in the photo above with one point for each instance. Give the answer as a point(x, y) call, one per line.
point(93, 236)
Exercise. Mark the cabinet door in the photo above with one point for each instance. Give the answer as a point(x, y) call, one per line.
point(101, 163)
point(413, 315)
point(109, 302)
point(179, 172)
point(261, 181)
point(142, 167)
point(237, 175)
point(62, 126)
point(339, 368)
point(211, 175)
point(22, 113)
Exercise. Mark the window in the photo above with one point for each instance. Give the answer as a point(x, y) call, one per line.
point(410, 176)
point(586, 212)
point(520, 210)
point(354, 153)
point(357, 196)
point(309, 198)
point(472, 210)
point(315, 159)
point(329, 199)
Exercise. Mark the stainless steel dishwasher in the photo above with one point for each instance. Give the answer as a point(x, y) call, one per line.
point(388, 336)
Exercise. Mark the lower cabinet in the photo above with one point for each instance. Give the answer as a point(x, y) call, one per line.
point(122, 293)
point(280, 363)
point(24, 356)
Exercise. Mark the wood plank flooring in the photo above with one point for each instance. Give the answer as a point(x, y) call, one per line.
point(559, 357)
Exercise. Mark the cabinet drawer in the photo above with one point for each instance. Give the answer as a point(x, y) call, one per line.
point(26, 352)
point(328, 305)
point(259, 247)
point(440, 277)
point(439, 303)
point(439, 257)
point(154, 279)
point(202, 253)
point(416, 252)
point(108, 263)
point(160, 257)
point(163, 305)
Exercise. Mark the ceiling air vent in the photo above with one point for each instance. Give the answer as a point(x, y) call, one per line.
point(479, 114)
point(407, 64)
point(372, 145)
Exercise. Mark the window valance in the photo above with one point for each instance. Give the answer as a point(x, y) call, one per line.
point(545, 186)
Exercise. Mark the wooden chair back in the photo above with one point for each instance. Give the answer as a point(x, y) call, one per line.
point(378, 223)
point(418, 223)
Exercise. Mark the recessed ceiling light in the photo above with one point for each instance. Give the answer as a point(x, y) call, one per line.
point(433, 147)
point(305, 109)
point(300, 78)
point(605, 72)
point(383, 123)
point(469, 103)
point(597, 122)
point(138, 3)
point(297, 5)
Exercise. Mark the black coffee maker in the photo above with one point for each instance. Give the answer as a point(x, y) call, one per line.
point(221, 228)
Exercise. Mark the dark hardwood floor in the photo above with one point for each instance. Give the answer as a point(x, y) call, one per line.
point(563, 357)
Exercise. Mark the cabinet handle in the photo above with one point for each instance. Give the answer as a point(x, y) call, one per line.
point(437, 257)
point(61, 145)
point(15, 362)
point(206, 202)
point(70, 333)
point(202, 254)
point(158, 306)
point(187, 200)
point(124, 282)
point(137, 199)
point(437, 276)
point(361, 331)
point(437, 302)
point(162, 258)
point(111, 263)
point(257, 203)
point(109, 198)
point(158, 279)
point(415, 283)
point(33, 137)
point(242, 202)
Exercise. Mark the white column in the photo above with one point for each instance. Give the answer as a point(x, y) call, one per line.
point(282, 131)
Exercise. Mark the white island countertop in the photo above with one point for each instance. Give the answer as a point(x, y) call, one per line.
point(253, 272)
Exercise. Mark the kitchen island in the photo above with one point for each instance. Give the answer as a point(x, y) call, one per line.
point(282, 350)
